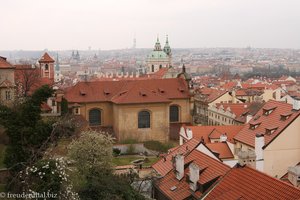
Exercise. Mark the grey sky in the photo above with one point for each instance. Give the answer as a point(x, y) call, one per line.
point(112, 24)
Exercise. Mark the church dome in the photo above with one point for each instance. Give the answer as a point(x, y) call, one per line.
point(157, 55)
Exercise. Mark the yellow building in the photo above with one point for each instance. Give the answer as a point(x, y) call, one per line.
point(138, 109)
point(7, 82)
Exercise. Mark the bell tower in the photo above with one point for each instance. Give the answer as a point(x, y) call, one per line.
point(47, 66)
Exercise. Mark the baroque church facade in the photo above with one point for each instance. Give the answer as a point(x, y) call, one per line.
point(159, 58)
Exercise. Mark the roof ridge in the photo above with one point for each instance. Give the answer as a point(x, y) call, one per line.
point(267, 175)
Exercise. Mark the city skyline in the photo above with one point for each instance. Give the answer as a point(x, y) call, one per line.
point(62, 25)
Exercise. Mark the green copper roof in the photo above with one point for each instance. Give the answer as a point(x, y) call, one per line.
point(157, 55)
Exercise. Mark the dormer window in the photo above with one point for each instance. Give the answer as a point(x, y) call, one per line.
point(143, 94)
point(268, 110)
point(82, 93)
point(285, 116)
point(253, 126)
point(181, 89)
point(106, 92)
point(161, 90)
point(271, 130)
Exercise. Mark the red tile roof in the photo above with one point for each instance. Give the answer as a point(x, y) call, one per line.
point(129, 91)
point(210, 170)
point(45, 107)
point(236, 108)
point(214, 132)
point(165, 165)
point(6, 83)
point(46, 58)
point(247, 183)
point(247, 135)
point(209, 95)
point(221, 148)
point(4, 64)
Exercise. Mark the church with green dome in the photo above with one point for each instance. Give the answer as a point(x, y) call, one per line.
point(159, 58)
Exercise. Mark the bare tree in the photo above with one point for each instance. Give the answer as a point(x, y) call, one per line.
point(26, 78)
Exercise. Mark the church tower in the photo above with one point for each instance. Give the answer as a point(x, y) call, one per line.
point(47, 66)
point(159, 57)
point(57, 75)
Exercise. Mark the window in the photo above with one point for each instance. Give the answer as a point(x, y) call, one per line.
point(53, 102)
point(144, 119)
point(160, 66)
point(152, 68)
point(95, 117)
point(46, 67)
point(174, 113)
point(77, 111)
point(7, 95)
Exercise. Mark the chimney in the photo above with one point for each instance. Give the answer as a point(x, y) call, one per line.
point(189, 133)
point(194, 176)
point(296, 104)
point(223, 137)
point(233, 94)
point(248, 118)
point(277, 95)
point(259, 143)
point(294, 175)
point(247, 158)
point(179, 166)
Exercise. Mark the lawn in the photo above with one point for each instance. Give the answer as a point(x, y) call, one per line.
point(126, 160)
point(2, 152)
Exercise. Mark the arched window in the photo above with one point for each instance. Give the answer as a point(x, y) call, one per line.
point(144, 119)
point(95, 117)
point(174, 113)
point(152, 68)
point(46, 67)
point(160, 66)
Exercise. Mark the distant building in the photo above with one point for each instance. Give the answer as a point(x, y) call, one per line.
point(57, 75)
point(159, 58)
point(7, 82)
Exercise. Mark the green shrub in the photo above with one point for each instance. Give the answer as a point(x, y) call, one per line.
point(116, 151)
point(158, 146)
point(129, 141)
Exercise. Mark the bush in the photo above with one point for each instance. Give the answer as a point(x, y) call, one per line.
point(158, 146)
point(129, 141)
point(116, 151)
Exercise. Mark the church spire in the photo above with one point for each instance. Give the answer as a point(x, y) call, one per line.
point(167, 48)
point(57, 63)
point(157, 45)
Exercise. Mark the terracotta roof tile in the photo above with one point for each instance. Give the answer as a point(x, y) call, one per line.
point(210, 170)
point(165, 165)
point(247, 135)
point(221, 148)
point(248, 183)
point(129, 91)
point(4, 64)
point(46, 58)
point(214, 132)
point(235, 108)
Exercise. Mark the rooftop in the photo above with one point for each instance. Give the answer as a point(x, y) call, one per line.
point(247, 183)
point(267, 117)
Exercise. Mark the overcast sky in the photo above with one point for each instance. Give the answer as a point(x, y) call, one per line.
point(112, 24)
